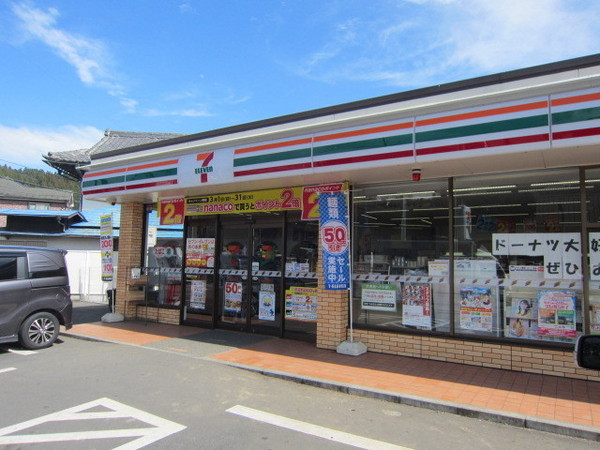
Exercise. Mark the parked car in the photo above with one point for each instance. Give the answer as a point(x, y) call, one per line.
point(35, 296)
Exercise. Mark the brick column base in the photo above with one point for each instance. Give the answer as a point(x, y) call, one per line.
point(131, 239)
point(332, 314)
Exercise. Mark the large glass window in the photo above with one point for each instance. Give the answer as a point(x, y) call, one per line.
point(518, 255)
point(301, 302)
point(400, 256)
point(592, 194)
point(163, 260)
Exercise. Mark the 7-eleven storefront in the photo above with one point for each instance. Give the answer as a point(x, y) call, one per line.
point(473, 230)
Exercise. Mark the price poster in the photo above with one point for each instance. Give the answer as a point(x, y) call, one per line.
point(335, 240)
point(106, 247)
point(200, 252)
point(233, 297)
point(301, 303)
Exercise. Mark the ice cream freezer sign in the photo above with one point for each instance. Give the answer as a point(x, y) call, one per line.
point(335, 240)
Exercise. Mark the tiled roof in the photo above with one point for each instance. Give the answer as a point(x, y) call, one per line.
point(69, 214)
point(16, 190)
point(67, 162)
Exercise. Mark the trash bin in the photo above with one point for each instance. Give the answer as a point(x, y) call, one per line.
point(111, 294)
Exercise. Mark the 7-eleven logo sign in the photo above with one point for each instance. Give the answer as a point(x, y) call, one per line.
point(206, 168)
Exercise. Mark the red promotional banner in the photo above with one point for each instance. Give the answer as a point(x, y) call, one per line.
point(310, 198)
point(171, 211)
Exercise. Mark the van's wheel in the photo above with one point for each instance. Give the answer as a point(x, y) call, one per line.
point(39, 330)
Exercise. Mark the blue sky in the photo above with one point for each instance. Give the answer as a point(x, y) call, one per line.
point(71, 69)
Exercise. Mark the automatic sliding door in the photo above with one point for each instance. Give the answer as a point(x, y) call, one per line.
point(233, 273)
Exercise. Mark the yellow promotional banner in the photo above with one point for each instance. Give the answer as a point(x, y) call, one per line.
point(245, 202)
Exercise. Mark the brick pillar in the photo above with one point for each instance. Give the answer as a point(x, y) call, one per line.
point(332, 314)
point(131, 239)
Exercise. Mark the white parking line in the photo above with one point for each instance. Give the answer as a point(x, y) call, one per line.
point(311, 429)
point(22, 352)
point(8, 369)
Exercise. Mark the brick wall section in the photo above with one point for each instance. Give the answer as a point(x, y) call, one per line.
point(332, 320)
point(501, 356)
point(161, 315)
point(130, 250)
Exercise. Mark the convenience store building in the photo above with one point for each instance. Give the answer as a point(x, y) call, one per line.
point(474, 222)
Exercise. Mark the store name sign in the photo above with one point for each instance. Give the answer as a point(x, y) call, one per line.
point(286, 199)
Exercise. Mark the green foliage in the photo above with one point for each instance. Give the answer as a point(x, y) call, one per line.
point(40, 178)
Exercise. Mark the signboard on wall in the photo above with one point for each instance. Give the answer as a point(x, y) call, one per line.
point(335, 240)
point(245, 202)
point(310, 198)
point(171, 211)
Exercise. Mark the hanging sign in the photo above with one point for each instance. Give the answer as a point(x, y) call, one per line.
point(106, 247)
point(171, 211)
point(245, 202)
point(310, 198)
point(335, 240)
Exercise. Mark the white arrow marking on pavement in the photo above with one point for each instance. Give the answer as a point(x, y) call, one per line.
point(8, 369)
point(313, 430)
point(159, 429)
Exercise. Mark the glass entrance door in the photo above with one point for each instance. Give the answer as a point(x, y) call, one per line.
point(250, 275)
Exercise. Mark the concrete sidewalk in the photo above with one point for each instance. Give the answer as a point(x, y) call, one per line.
point(542, 402)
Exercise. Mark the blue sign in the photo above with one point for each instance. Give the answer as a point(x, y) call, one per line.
point(335, 240)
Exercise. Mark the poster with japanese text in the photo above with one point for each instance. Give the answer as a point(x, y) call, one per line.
point(200, 252)
point(378, 297)
point(301, 303)
point(233, 297)
point(476, 309)
point(594, 255)
point(416, 305)
point(561, 251)
point(198, 294)
point(556, 313)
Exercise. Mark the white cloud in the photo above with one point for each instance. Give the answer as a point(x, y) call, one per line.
point(191, 112)
point(88, 56)
point(24, 146)
point(422, 42)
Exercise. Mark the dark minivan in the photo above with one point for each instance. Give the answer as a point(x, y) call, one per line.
point(35, 296)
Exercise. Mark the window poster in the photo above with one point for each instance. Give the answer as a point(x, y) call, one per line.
point(266, 305)
point(476, 309)
point(378, 297)
point(233, 297)
point(556, 313)
point(301, 303)
point(595, 325)
point(200, 252)
point(198, 294)
point(522, 318)
point(416, 305)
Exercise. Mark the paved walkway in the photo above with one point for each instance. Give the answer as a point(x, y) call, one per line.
point(541, 402)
